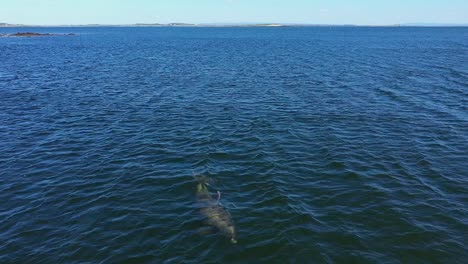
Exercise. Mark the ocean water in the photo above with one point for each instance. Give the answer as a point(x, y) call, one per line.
point(327, 144)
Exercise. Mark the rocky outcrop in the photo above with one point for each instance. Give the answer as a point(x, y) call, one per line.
point(33, 34)
point(30, 34)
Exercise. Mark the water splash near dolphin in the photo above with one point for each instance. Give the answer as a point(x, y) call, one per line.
point(215, 214)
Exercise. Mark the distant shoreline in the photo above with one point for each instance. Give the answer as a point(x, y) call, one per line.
point(220, 25)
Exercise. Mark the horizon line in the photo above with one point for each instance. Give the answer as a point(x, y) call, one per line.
point(227, 24)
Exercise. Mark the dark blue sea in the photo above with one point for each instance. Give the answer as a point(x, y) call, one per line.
point(326, 144)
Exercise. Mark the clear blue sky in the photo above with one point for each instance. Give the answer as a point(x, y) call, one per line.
point(370, 12)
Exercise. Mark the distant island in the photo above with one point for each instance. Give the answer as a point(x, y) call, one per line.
point(152, 25)
point(162, 25)
point(10, 25)
point(103, 25)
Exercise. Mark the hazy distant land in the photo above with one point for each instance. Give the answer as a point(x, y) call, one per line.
point(154, 25)
point(7, 25)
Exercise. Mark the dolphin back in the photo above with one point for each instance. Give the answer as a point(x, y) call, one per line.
point(211, 209)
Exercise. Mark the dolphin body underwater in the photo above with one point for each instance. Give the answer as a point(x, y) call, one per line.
point(215, 214)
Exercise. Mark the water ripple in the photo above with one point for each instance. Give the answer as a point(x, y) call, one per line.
point(326, 144)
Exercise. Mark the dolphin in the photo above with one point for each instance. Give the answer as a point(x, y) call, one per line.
point(215, 214)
